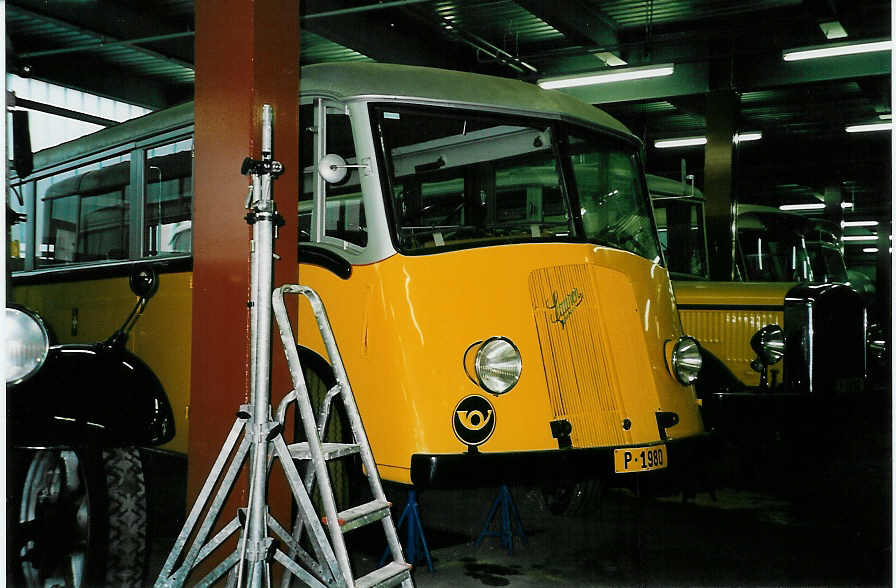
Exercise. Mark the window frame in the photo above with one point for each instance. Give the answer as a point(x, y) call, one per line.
point(136, 197)
point(561, 128)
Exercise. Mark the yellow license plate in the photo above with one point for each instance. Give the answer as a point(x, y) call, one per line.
point(640, 459)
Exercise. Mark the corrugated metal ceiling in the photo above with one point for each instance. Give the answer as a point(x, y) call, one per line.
point(504, 37)
point(639, 13)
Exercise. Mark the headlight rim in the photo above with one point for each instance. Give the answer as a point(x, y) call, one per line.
point(45, 351)
point(676, 358)
point(480, 346)
point(759, 340)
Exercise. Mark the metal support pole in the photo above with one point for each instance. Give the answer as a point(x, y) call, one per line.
point(254, 543)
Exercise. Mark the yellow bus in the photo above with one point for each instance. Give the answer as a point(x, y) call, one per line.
point(494, 330)
point(777, 341)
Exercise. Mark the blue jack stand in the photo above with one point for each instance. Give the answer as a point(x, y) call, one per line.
point(416, 543)
point(510, 516)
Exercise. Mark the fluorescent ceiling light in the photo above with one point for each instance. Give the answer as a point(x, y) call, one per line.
point(885, 116)
point(608, 76)
point(870, 127)
point(832, 29)
point(693, 141)
point(748, 136)
point(683, 142)
point(812, 206)
point(870, 250)
point(859, 237)
point(836, 50)
point(868, 223)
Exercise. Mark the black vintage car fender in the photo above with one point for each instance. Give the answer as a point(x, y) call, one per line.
point(99, 392)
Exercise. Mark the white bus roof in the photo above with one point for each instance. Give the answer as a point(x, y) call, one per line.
point(660, 187)
point(345, 81)
point(382, 80)
point(754, 216)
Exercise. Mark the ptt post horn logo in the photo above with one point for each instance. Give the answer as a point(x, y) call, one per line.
point(474, 420)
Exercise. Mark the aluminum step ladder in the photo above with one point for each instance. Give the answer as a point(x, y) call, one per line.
point(318, 453)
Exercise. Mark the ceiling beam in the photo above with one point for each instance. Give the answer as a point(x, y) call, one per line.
point(100, 37)
point(384, 35)
point(689, 78)
point(90, 74)
point(111, 21)
point(771, 70)
point(580, 22)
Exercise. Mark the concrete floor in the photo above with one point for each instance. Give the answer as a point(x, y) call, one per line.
point(816, 512)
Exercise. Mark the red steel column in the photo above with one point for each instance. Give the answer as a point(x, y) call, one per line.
point(246, 55)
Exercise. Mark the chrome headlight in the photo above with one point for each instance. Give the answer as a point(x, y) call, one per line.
point(876, 343)
point(494, 364)
point(768, 343)
point(27, 345)
point(686, 360)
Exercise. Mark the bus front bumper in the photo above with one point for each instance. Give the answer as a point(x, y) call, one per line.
point(556, 466)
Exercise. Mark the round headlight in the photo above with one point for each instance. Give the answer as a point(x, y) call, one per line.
point(497, 365)
point(686, 360)
point(27, 345)
point(768, 343)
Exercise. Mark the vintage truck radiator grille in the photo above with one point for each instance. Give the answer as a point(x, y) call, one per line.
point(726, 334)
point(826, 339)
point(581, 380)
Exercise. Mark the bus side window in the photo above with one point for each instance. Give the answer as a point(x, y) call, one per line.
point(82, 214)
point(345, 219)
point(169, 199)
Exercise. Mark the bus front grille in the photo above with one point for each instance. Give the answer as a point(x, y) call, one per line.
point(726, 333)
point(579, 373)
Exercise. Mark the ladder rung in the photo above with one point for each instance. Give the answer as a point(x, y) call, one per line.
point(390, 575)
point(360, 515)
point(329, 450)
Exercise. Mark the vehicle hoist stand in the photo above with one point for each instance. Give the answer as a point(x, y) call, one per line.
point(416, 542)
point(510, 524)
point(261, 439)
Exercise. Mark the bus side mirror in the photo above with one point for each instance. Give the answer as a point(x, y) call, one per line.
point(333, 169)
point(144, 282)
point(23, 160)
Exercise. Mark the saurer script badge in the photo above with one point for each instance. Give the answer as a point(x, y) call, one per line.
point(474, 420)
point(563, 308)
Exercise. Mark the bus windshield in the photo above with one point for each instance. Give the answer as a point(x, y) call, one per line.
point(775, 253)
point(459, 179)
point(679, 222)
point(827, 262)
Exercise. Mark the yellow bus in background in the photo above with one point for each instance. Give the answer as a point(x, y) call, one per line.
point(494, 331)
point(779, 341)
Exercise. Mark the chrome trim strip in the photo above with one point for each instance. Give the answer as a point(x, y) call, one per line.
point(811, 344)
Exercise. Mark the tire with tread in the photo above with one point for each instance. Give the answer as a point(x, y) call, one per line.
point(79, 518)
point(126, 496)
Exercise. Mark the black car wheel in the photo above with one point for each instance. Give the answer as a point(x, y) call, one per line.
point(81, 519)
point(574, 499)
